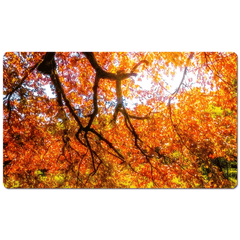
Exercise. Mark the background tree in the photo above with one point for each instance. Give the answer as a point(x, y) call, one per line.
point(92, 135)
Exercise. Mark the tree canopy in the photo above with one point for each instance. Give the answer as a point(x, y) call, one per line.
point(101, 127)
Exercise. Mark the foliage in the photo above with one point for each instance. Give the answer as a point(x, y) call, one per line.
point(102, 128)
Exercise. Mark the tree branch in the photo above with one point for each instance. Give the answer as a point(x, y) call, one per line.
point(9, 95)
point(103, 74)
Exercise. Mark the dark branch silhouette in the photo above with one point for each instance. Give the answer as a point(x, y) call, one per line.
point(48, 64)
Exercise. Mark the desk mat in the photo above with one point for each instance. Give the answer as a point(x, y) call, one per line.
point(120, 120)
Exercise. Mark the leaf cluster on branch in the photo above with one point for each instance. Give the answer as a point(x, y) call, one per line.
point(100, 128)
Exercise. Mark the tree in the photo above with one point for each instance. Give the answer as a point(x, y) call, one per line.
point(103, 130)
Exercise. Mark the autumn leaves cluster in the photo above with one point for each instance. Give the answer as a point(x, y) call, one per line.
point(168, 138)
